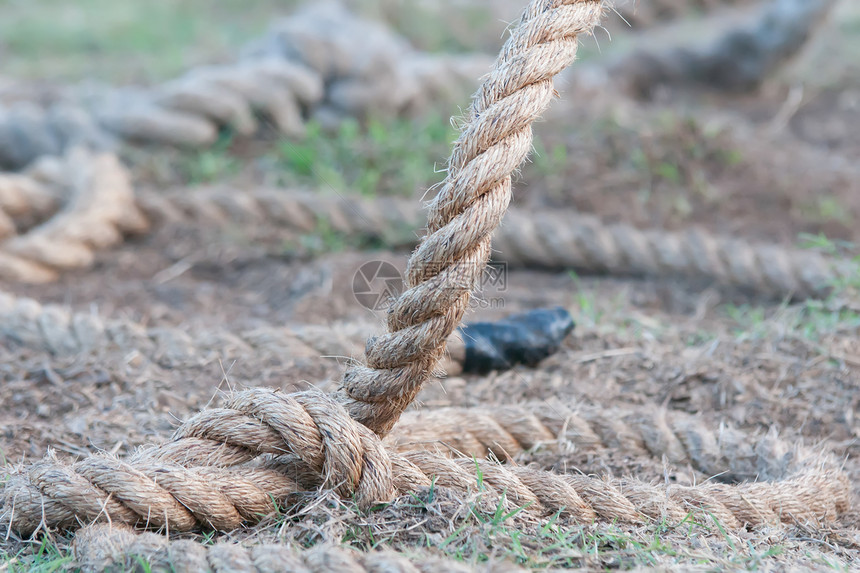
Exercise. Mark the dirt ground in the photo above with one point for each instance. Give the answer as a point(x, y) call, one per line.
point(759, 365)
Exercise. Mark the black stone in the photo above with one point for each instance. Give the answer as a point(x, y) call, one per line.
point(525, 338)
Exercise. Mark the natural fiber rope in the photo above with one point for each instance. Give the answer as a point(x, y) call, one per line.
point(187, 111)
point(740, 60)
point(114, 547)
point(504, 430)
point(542, 239)
point(101, 208)
point(680, 438)
point(296, 71)
point(23, 201)
point(291, 210)
point(496, 137)
point(450, 260)
point(227, 466)
point(54, 329)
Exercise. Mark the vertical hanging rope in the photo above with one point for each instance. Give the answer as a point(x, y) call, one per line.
point(447, 265)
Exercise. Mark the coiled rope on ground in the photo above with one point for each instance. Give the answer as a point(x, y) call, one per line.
point(54, 329)
point(114, 547)
point(228, 466)
point(542, 239)
point(496, 137)
point(297, 71)
point(534, 239)
point(99, 209)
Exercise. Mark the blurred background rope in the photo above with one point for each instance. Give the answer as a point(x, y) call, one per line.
point(545, 239)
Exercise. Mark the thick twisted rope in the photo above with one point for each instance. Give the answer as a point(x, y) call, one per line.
point(448, 263)
point(187, 111)
point(282, 444)
point(542, 239)
point(397, 219)
point(329, 436)
point(298, 70)
point(505, 431)
point(23, 202)
point(190, 109)
point(740, 60)
point(227, 466)
point(552, 240)
point(114, 547)
point(100, 209)
point(56, 330)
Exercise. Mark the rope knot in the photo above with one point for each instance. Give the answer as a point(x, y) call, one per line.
point(306, 434)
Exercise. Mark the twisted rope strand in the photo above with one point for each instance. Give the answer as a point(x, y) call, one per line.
point(542, 239)
point(54, 329)
point(114, 547)
point(224, 464)
point(101, 209)
point(143, 491)
point(451, 258)
point(506, 431)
